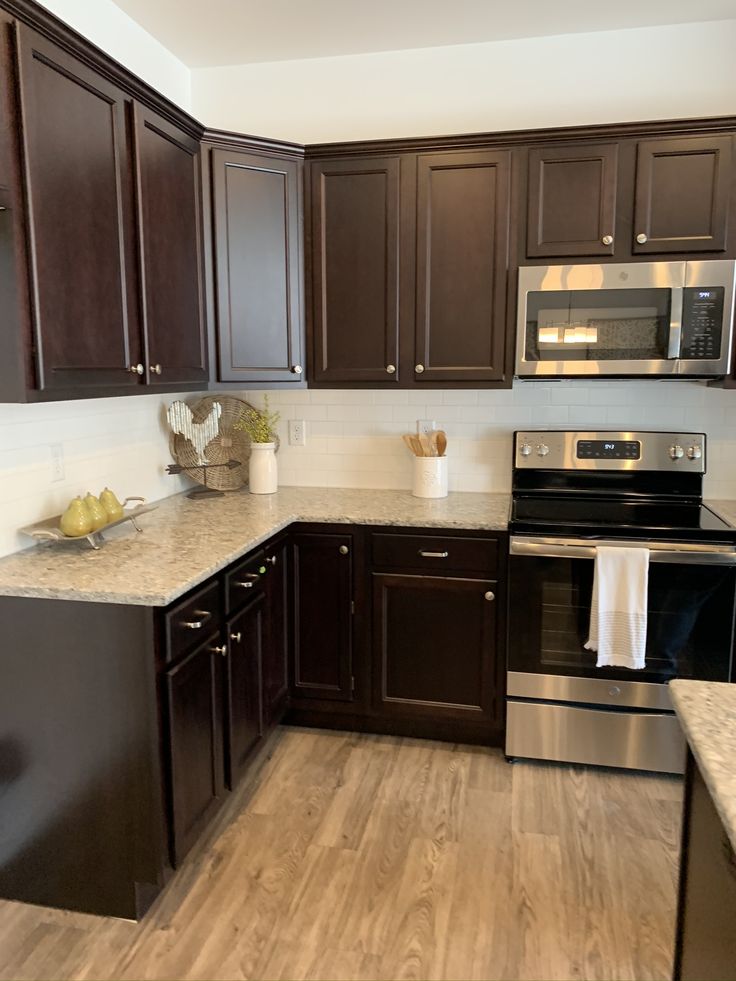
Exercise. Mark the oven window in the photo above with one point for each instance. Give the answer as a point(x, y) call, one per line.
point(598, 325)
point(689, 624)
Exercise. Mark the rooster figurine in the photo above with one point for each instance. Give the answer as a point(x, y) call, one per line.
point(199, 434)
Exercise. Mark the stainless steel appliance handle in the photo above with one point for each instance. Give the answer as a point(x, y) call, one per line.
point(675, 340)
point(580, 548)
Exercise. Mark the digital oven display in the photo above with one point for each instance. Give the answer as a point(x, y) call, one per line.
point(609, 449)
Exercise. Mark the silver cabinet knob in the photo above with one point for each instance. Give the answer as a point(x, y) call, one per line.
point(607, 240)
point(419, 368)
point(641, 238)
point(219, 650)
point(490, 596)
point(694, 452)
point(271, 559)
point(136, 369)
point(155, 369)
point(343, 550)
point(236, 637)
point(676, 452)
point(390, 369)
point(525, 449)
point(296, 369)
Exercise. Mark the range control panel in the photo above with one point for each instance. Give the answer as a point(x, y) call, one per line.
point(702, 322)
point(572, 450)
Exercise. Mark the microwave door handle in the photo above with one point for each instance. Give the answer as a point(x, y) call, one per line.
point(675, 339)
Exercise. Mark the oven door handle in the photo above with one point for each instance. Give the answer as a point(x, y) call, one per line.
point(575, 548)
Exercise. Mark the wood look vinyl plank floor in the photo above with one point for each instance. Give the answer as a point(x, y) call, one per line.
point(369, 857)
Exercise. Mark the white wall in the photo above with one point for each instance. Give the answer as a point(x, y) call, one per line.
point(611, 76)
point(111, 29)
point(353, 438)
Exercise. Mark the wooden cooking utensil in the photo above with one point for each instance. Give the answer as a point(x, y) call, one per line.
point(440, 442)
point(426, 445)
point(409, 441)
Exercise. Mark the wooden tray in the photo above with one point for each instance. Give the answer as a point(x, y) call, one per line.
point(48, 532)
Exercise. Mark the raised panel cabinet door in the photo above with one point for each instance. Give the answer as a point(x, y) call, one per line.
point(682, 194)
point(322, 616)
point(257, 233)
point(243, 688)
point(81, 222)
point(572, 200)
point(276, 643)
point(195, 741)
point(167, 171)
point(462, 262)
point(355, 270)
point(434, 647)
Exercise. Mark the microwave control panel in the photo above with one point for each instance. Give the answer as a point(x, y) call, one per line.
point(702, 322)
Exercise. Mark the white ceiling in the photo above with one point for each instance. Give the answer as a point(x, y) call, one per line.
point(232, 32)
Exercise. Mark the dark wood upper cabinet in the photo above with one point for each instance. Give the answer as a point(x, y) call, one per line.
point(168, 185)
point(435, 647)
point(355, 270)
point(194, 700)
point(682, 194)
point(462, 243)
point(572, 200)
point(322, 616)
point(79, 199)
point(243, 687)
point(258, 267)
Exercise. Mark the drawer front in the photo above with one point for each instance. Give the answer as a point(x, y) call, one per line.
point(435, 553)
point(244, 580)
point(189, 623)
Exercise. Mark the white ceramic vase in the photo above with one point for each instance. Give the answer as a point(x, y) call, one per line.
point(430, 476)
point(263, 469)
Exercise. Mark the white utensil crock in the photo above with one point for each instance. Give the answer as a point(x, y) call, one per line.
point(430, 476)
point(263, 469)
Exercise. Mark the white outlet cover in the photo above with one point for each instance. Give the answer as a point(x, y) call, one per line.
point(297, 432)
point(425, 426)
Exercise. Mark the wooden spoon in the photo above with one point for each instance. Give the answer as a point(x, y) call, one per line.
point(440, 441)
point(409, 441)
point(426, 445)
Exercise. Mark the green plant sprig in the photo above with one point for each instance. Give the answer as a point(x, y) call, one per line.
point(260, 424)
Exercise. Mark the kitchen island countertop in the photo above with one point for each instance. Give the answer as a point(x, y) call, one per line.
point(707, 714)
point(185, 541)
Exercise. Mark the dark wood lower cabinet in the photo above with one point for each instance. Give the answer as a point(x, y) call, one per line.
point(434, 644)
point(275, 667)
point(194, 708)
point(243, 688)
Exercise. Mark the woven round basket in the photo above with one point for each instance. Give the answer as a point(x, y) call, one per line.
point(229, 444)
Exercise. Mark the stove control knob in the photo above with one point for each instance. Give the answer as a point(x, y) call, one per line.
point(542, 449)
point(676, 452)
point(525, 449)
point(694, 452)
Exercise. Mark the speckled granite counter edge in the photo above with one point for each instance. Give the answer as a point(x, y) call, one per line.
point(706, 731)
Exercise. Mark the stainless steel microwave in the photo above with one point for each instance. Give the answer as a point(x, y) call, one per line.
point(638, 318)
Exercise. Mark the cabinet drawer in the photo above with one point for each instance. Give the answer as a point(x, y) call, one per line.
point(244, 580)
point(435, 553)
point(191, 621)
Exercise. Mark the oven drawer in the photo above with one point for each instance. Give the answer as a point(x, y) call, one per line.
point(572, 734)
point(596, 691)
point(435, 553)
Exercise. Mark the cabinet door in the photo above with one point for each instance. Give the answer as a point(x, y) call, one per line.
point(169, 237)
point(462, 259)
point(257, 226)
point(195, 724)
point(434, 647)
point(322, 568)
point(80, 211)
point(572, 200)
point(243, 687)
point(355, 270)
point(275, 648)
point(682, 194)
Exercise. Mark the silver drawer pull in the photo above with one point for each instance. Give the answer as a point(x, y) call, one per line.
point(433, 555)
point(204, 616)
point(245, 585)
point(251, 578)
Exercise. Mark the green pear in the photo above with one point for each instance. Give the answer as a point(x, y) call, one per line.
point(111, 504)
point(96, 511)
point(76, 521)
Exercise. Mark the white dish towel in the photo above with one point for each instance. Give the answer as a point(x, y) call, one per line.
point(618, 613)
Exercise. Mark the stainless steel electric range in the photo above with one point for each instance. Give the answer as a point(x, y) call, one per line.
point(571, 492)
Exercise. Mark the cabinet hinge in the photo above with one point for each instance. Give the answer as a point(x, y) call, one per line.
point(352, 606)
point(352, 683)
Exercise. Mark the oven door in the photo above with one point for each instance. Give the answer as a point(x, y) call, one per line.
point(690, 625)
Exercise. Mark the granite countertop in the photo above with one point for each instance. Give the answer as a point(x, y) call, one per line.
point(707, 714)
point(186, 541)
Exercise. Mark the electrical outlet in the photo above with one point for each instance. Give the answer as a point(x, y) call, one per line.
point(297, 432)
point(425, 426)
point(57, 462)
